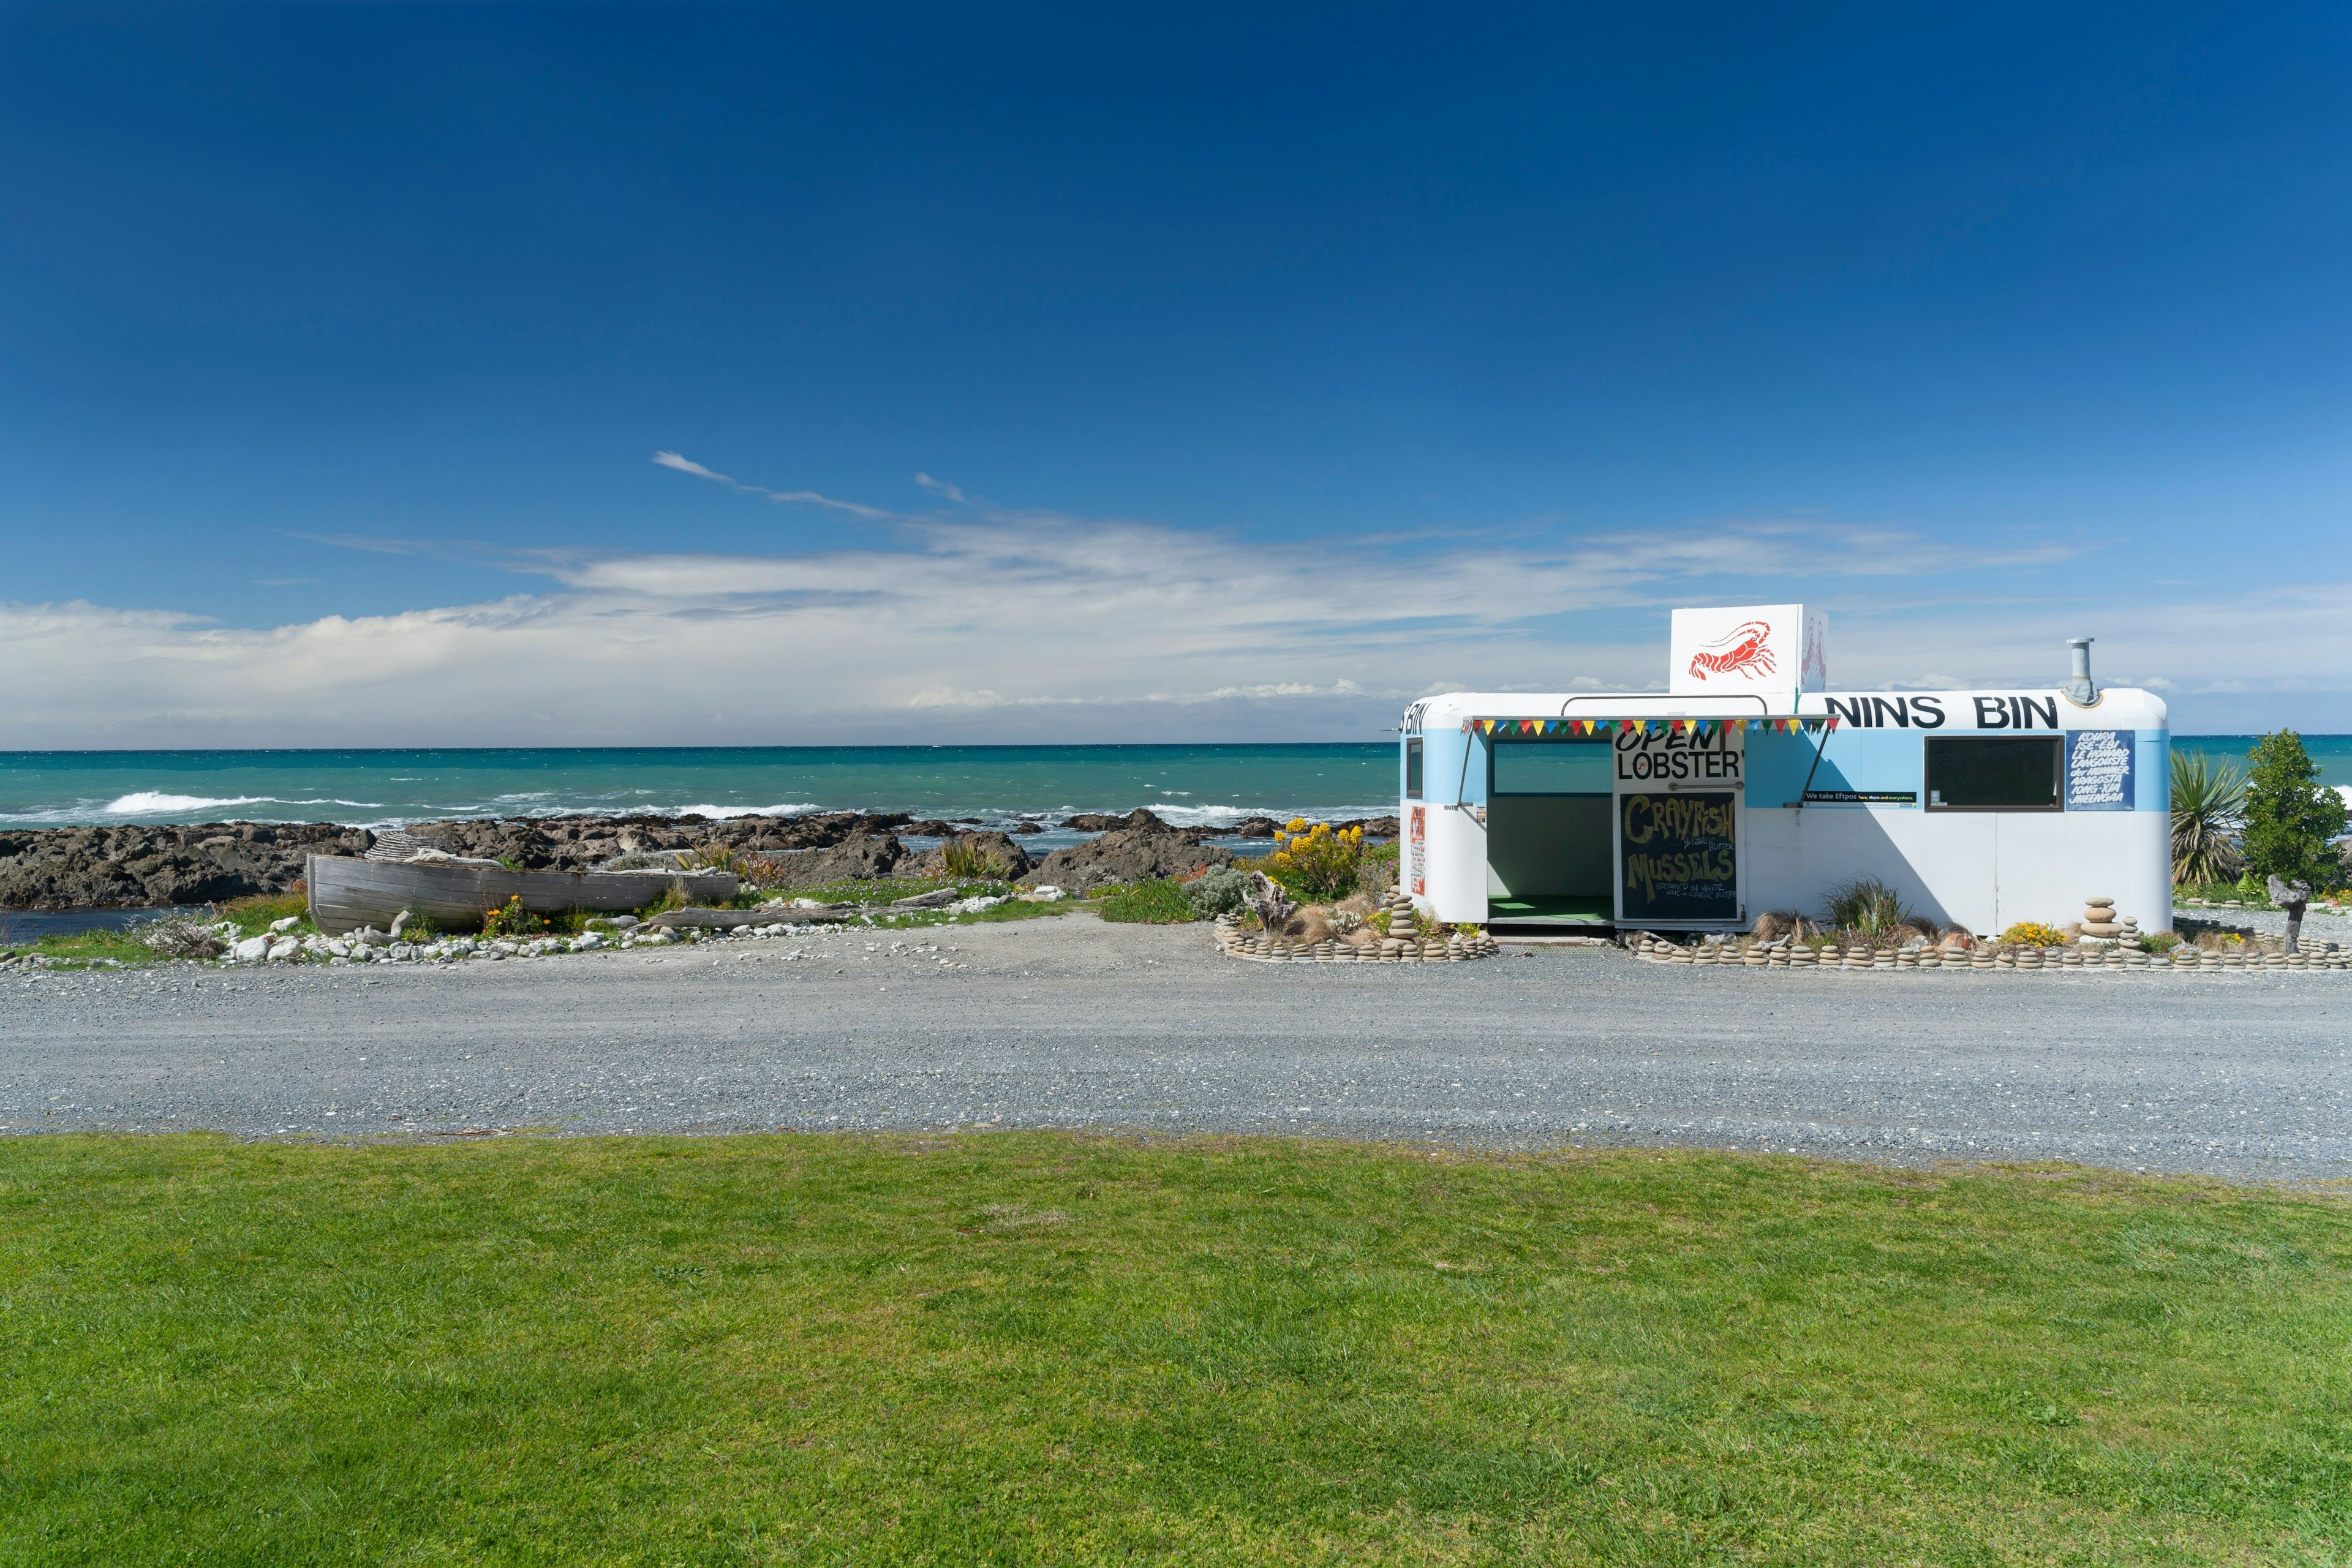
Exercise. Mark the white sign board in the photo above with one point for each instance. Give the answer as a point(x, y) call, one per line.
point(1772, 651)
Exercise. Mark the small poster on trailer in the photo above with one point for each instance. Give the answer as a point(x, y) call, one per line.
point(2099, 770)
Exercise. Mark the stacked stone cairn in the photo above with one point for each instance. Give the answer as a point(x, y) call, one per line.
point(1401, 946)
point(2109, 942)
point(2100, 924)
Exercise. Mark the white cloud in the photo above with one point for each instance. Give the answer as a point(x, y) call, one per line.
point(806, 498)
point(1030, 627)
point(689, 466)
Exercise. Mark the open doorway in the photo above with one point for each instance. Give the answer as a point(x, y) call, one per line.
point(1548, 858)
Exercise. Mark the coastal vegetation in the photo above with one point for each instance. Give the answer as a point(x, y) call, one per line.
point(1870, 911)
point(251, 916)
point(2290, 816)
point(2231, 832)
point(1160, 902)
point(2209, 803)
point(1314, 862)
point(969, 859)
point(1053, 1349)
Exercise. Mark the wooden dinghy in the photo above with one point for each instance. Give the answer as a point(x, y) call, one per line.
point(347, 893)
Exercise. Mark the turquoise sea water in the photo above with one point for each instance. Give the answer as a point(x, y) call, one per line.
point(1191, 785)
point(2332, 752)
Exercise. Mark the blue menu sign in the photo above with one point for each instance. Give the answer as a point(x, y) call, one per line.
point(2099, 770)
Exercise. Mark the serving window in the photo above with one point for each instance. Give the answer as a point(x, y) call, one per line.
point(1995, 773)
point(1551, 767)
point(1412, 768)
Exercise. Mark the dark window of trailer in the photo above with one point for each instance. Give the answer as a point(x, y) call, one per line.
point(1994, 772)
point(1412, 769)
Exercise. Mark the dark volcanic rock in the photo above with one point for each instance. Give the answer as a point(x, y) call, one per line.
point(1098, 821)
point(1138, 820)
point(1010, 857)
point(1129, 855)
point(576, 843)
point(1040, 828)
point(1253, 828)
point(97, 867)
point(852, 861)
point(1373, 826)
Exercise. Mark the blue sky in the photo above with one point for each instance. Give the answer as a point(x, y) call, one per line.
point(1207, 373)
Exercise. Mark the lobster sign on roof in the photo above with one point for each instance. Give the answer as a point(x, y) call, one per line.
point(1772, 651)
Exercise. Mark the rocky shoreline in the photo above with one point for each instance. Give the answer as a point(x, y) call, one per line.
point(54, 868)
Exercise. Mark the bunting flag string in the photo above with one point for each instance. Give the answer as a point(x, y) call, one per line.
point(1703, 728)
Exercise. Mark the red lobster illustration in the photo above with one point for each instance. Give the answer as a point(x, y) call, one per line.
point(1742, 649)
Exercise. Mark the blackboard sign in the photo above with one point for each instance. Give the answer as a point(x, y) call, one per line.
point(1677, 858)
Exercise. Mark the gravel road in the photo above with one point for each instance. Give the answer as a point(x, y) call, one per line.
point(2318, 925)
point(1066, 1022)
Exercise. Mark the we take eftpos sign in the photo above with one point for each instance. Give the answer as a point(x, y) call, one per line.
point(1772, 651)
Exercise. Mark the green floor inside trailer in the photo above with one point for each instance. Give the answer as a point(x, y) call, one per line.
point(1551, 907)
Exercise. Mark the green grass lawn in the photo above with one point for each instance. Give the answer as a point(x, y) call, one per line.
point(1053, 1349)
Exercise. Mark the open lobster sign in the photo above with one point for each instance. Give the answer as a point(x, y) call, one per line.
point(1772, 651)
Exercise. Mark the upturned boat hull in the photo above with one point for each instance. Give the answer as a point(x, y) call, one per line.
point(347, 893)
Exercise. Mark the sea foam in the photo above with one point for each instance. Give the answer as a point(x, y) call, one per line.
point(722, 813)
point(148, 802)
point(151, 803)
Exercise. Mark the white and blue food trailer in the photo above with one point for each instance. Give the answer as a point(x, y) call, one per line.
point(1749, 787)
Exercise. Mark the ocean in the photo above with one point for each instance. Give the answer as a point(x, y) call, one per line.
point(1202, 787)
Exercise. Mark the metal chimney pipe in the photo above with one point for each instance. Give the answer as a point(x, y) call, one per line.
point(2079, 688)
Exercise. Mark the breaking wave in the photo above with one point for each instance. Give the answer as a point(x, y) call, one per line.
point(149, 803)
point(722, 813)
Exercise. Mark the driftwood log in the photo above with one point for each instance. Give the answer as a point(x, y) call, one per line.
point(1270, 900)
point(2291, 896)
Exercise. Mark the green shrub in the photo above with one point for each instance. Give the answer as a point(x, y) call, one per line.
point(1148, 903)
point(257, 913)
point(1868, 910)
point(1222, 890)
point(1314, 863)
point(2290, 814)
point(512, 919)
